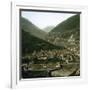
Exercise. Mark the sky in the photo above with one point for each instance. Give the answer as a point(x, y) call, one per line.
point(44, 19)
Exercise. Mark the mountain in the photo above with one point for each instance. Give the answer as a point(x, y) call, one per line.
point(48, 28)
point(31, 28)
point(31, 43)
point(71, 23)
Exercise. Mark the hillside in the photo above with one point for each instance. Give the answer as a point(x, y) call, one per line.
point(32, 29)
point(66, 32)
point(69, 24)
point(31, 43)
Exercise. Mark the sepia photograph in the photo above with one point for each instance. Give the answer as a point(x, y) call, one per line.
point(49, 43)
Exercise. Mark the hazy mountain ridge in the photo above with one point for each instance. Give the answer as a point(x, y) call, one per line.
point(48, 28)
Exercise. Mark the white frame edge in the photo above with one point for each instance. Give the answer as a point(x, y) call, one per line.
point(15, 82)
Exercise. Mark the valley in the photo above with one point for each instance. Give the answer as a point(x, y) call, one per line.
point(55, 53)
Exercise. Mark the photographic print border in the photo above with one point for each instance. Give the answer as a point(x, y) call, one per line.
point(15, 43)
